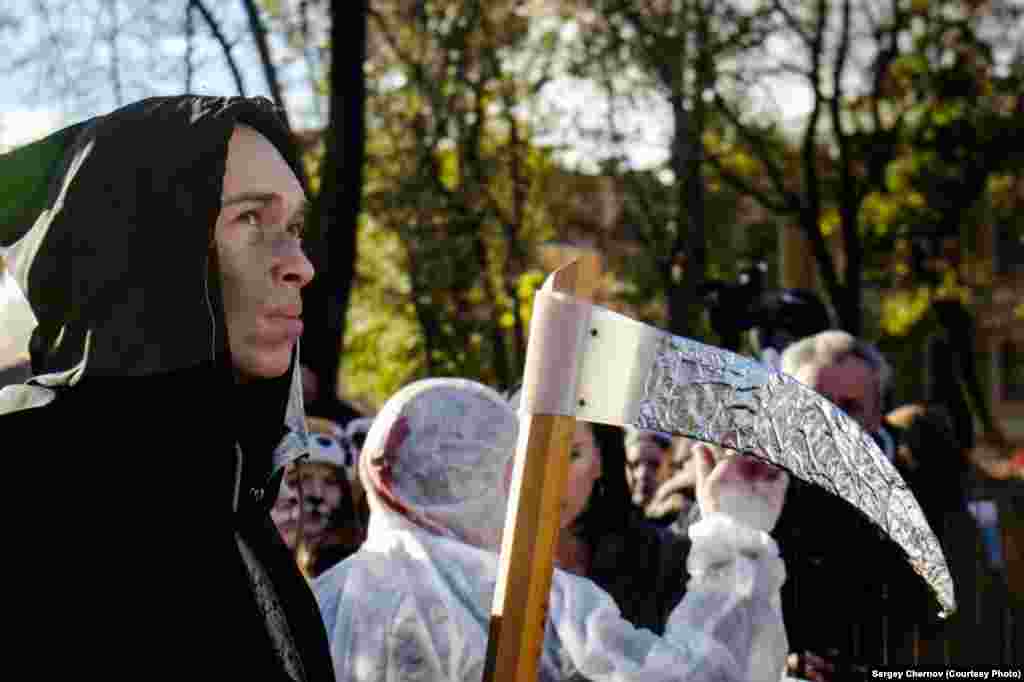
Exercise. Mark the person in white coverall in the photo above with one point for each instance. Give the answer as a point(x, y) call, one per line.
point(414, 602)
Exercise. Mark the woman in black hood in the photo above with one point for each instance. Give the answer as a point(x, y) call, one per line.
point(159, 248)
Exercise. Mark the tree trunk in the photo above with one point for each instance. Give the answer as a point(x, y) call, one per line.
point(690, 248)
point(337, 206)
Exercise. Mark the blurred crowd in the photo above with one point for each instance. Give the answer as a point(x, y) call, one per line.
point(850, 598)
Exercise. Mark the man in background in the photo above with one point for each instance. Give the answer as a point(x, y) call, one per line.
point(852, 597)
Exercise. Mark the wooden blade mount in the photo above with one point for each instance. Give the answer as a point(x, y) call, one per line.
point(539, 475)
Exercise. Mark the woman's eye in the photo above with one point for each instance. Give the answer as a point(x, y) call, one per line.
point(575, 453)
point(250, 218)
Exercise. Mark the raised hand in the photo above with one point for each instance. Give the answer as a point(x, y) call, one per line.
point(748, 489)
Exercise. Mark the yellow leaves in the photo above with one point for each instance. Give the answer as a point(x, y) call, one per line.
point(914, 200)
point(1001, 191)
point(529, 282)
point(507, 320)
point(526, 287)
point(741, 163)
point(830, 221)
point(897, 182)
point(733, 158)
point(1018, 312)
point(475, 295)
point(879, 210)
point(952, 287)
point(311, 163)
point(899, 78)
point(883, 211)
point(449, 168)
point(899, 261)
point(898, 174)
point(902, 309)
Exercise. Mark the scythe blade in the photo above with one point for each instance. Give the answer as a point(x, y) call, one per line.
point(623, 372)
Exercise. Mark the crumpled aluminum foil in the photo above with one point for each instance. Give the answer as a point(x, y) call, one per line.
point(716, 396)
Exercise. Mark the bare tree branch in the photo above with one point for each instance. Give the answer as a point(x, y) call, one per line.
point(809, 146)
point(389, 37)
point(793, 23)
point(58, 45)
point(743, 186)
point(190, 35)
point(811, 213)
point(259, 34)
point(757, 144)
point(848, 192)
point(115, 60)
point(225, 44)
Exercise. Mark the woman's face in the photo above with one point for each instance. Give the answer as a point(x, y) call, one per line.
point(584, 470)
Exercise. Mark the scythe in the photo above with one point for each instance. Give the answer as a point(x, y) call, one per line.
point(586, 362)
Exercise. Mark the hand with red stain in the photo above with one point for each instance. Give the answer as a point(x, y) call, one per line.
point(748, 489)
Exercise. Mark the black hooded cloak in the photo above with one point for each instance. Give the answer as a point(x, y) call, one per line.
point(142, 475)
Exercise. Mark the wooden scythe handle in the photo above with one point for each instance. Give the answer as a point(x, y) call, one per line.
point(539, 477)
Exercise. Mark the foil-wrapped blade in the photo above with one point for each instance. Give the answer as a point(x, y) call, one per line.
point(716, 396)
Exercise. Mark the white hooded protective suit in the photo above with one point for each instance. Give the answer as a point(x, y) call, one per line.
point(414, 602)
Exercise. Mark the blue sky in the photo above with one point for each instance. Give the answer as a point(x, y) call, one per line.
point(38, 98)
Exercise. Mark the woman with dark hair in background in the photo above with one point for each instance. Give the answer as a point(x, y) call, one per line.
point(605, 538)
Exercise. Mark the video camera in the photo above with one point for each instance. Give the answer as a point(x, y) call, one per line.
point(776, 317)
